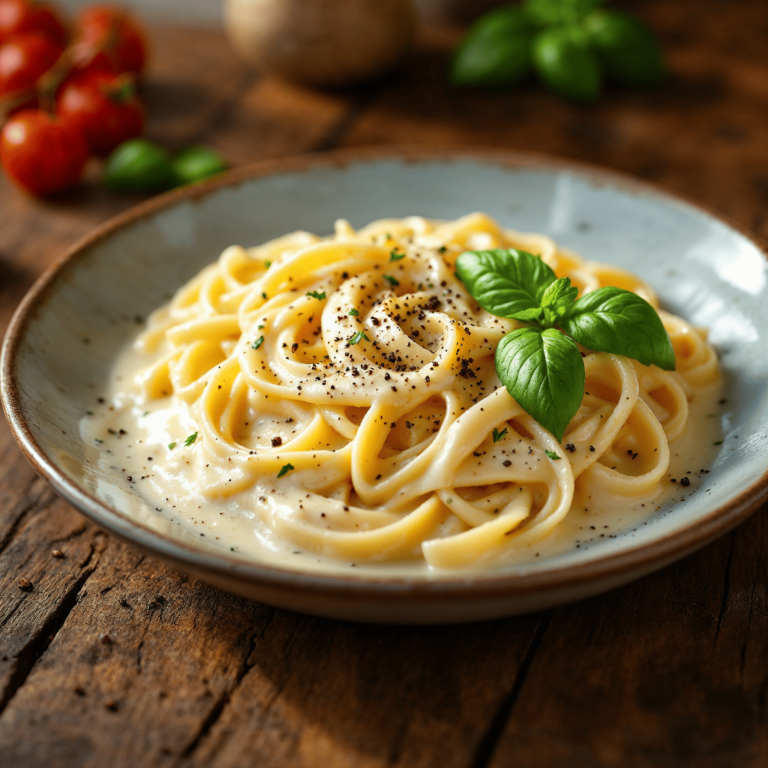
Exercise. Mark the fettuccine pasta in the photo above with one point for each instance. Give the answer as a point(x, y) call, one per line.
point(342, 392)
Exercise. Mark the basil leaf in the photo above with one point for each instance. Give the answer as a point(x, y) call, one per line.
point(197, 163)
point(139, 165)
point(535, 315)
point(559, 11)
point(506, 283)
point(628, 50)
point(496, 50)
point(567, 64)
point(559, 296)
point(544, 372)
point(618, 321)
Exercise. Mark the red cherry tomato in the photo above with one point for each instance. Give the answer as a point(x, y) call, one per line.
point(109, 40)
point(17, 17)
point(42, 153)
point(24, 59)
point(104, 106)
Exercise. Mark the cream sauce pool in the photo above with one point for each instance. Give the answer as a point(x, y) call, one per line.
point(133, 439)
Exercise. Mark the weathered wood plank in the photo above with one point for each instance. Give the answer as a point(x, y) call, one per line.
point(43, 568)
point(668, 671)
point(272, 119)
point(194, 79)
point(332, 693)
point(141, 662)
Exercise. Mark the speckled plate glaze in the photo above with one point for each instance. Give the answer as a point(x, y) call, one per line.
point(703, 268)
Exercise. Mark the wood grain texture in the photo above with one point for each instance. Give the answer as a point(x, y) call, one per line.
point(331, 693)
point(38, 587)
point(111, 658)
point(668, 671)
point(140, 665)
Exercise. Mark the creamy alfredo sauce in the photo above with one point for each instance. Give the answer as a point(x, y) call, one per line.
point(134, 439)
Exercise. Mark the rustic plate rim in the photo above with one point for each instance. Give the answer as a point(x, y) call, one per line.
point(644, 558)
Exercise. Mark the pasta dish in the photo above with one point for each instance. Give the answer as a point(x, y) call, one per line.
point(340, 395)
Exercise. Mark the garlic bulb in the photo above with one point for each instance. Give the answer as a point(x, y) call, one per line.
point(321, 42)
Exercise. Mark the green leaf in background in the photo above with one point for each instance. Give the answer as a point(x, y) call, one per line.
point(544, 372)
point(566, 63)
point(627, 49)
point(507, 283)
point(139, 165)
point(560, 11)
point(618, 321)
point(197, 163)
point(496, 50)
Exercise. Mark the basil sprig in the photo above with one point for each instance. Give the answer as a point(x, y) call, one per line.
point(539, 364)
point(572, 45)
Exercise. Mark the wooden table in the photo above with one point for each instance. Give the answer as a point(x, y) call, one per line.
point(115, 660)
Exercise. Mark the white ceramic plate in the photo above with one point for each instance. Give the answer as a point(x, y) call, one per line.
point(702, 268)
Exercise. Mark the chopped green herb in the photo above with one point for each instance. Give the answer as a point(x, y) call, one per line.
point(285, 470)
point(263, 295)
point(97, 441)
point(391, 280)
point(267, 264)
point(498, 435)
point(316, 295)
point(359, 336)
point(191, 439)
point(146, 413)
point(89, 413)
point(449, 500)
point(718, 442)
point(552, 455)
point(259, 327)
point(256, 344)
point(395, 256)
point(171, 446)
point(442, 249)
point(354, 313)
